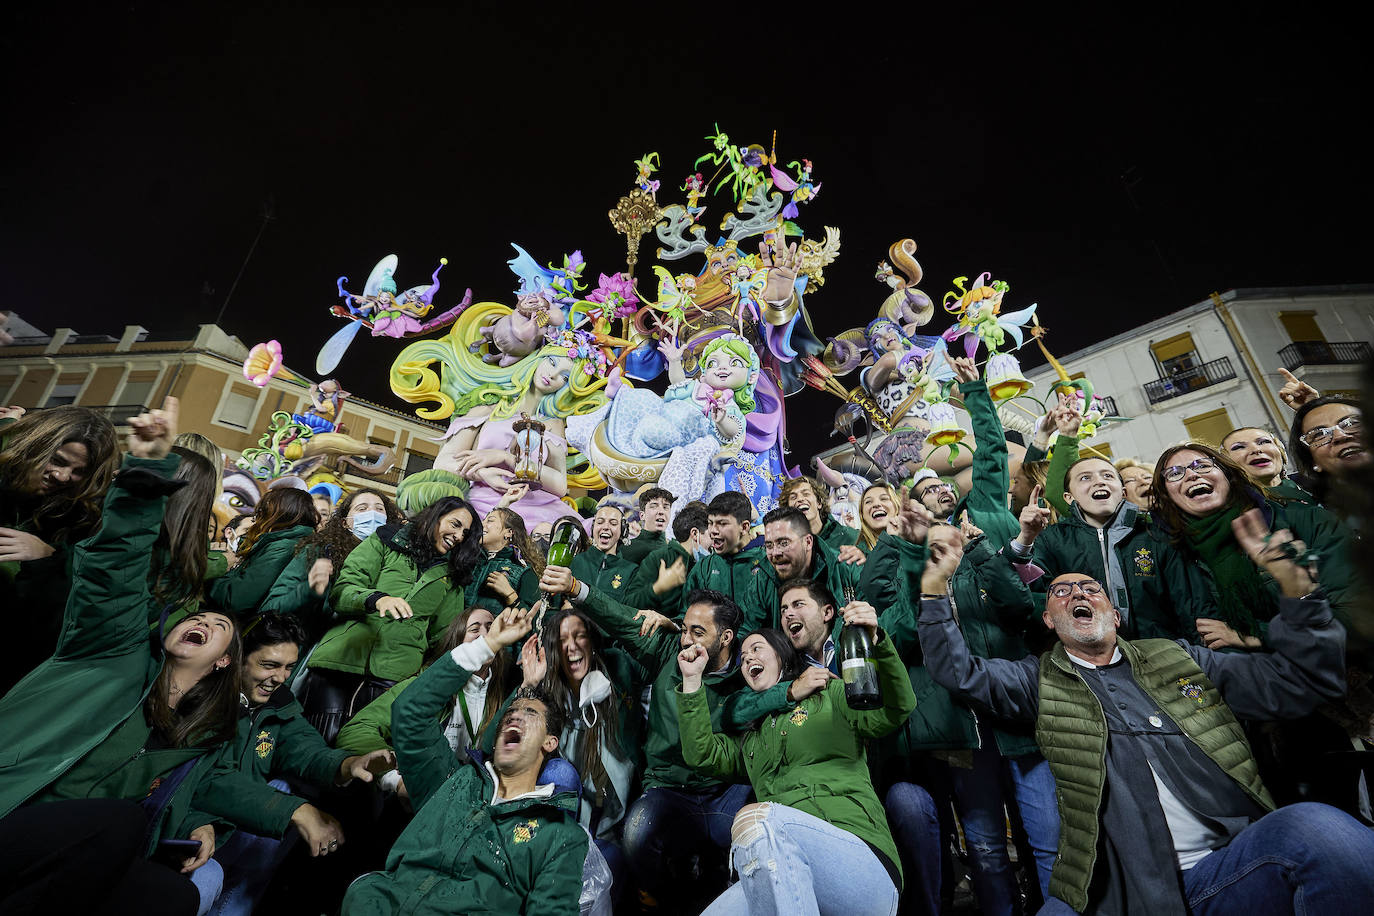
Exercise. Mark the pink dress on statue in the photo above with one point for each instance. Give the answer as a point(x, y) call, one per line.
point(535, 506)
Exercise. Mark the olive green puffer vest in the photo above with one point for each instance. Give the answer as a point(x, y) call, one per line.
point(1072, 732)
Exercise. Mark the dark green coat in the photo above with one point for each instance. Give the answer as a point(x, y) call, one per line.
point(836, 534)
point(1161, 593)
point(521, 578)
point(274, 740)
point(735, 576)
point(641, 545)
point(100, 676)
point(370, 643)
point(657, 653)
point(986, 501)
point(670, 602)
point(242, 588)
point(827, 570)
point(292, 594)
point(461, 853)
point(608, 572)
point(991, 605)
point(810, 757)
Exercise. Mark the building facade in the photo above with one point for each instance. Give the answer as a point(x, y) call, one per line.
point(126, 375)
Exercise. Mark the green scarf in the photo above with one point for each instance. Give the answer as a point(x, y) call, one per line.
point(1240, 590)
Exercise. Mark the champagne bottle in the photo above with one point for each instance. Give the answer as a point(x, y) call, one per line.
point(857, 668)
point(563, 543)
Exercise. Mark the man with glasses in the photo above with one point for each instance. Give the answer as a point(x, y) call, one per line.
point(1161, 806)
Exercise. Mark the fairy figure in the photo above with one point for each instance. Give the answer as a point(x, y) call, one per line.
point(802, 188)
point(326, 401)
point(906, 372)
point(695, 186)
point(980, 315)
point(747, 285)
point(647, 166)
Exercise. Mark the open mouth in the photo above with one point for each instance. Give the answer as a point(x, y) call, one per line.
point(754, 670)
point(1082, 612)
point(1198, 490)
point(1101, 493)
point(1354, 450)
point(196, 636)
point(450, 541)
point(794, 627)
point(510, 737)
point(1261, 461)
point(576, 661)
point(878, 514)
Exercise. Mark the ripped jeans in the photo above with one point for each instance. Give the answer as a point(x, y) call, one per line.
point(790, 862)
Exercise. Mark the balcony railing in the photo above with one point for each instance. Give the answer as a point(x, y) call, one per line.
point(1109, 406)
point(1321, 353)
point(119, 414)
point(1188, 380)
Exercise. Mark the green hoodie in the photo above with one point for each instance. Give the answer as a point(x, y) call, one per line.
point(811, 756)
point(371, 643)
point(462, 853)
point(836, 534)
point(641, 545)
point(670, 602)
point(734, 575)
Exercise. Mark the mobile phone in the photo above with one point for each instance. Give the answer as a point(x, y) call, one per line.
point(1041, 503)
point(189, 847)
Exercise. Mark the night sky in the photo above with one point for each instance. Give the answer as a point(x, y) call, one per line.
point(1111, 171)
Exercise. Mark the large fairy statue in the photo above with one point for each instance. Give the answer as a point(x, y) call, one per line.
point(486, 404)
point(698, 423)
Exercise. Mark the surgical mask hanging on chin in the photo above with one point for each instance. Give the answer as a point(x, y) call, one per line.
point(365, 523)
point(700, 553)
point(595, 688)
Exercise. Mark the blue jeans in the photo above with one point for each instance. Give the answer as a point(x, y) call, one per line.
point(249, 862)
point(666, 826)
point(208, 879)
point(979, 797)
point(915, 823)
point(790, 862)
point(1305, 858)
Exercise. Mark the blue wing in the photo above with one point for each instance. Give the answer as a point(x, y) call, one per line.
point(335, 347)
point(1012, 322)
point(532, 276)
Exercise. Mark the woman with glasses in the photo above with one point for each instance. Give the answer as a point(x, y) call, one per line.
point(1327, 443)
point(1260, 455)
point(1198, 493)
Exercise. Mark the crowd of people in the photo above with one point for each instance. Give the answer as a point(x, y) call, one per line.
point(1118, 687)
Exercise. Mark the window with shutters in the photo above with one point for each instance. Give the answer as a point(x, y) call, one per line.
point(1177, 354)
point(1209, 428)
point(236, 410)
point(1301, 326)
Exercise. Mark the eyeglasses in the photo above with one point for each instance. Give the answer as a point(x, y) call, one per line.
point(935, 487)
point(1322, 435)
point(1090, 588)
point(1198, 465)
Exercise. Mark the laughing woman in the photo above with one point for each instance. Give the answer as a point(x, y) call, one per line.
point(1261, 457)
point(114, 742)
point(401, 587)
point(817, 817)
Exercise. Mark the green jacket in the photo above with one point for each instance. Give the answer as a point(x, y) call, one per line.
point(836, 534)
point(735, 576)
point(291, 593)
point(670, 602)
point(827, 570)
point(521, 578)
point(242, 588)
point(811, 757)
point(986, 501)
point(641, 545)
point(1330, 539)
point(105, 665)
point(376, 645)
point(461, 853)
point(1159, 594)
point(607, 571)
point(657, 653)
point(1072, 731)
point(991, 605)
point(274, 739)
point(880, 578)
point(1063, 453)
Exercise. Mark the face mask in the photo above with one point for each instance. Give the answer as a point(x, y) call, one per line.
point(231, 540)
point(595, 688)
point(365, 523)
point(700, 553)
point(543, 543)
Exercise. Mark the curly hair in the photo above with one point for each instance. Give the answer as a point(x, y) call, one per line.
point(821, 490)
point(335, 541)
point(72, 512)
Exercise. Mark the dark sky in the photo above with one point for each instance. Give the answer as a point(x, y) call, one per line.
point(1111, 170)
